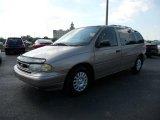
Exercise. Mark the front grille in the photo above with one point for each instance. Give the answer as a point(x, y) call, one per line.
point(151, 46)
point(23, 66)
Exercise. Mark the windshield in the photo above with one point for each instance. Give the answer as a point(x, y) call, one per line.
point(80, 36)
point(43, 41)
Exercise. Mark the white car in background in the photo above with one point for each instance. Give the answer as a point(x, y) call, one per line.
point(158, 45)
point(0, 57)
point(158, 49)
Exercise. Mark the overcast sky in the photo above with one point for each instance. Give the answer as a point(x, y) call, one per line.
point(38, 18)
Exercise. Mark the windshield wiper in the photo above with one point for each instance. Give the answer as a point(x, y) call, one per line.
point(59, 44)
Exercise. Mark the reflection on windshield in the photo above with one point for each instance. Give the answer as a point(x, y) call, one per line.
point(78, 37)
point(60, 44)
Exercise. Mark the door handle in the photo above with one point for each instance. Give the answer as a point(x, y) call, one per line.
point(117, 51)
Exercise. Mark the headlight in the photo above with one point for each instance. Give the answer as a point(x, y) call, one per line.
point(40, 68)
point(46, 68)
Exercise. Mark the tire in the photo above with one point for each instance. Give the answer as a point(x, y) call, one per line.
point(78, 81)
point(23, 51)
point(138, 65)
point(148, 56)
point(6, 52)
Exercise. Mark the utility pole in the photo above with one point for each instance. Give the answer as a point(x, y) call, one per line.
point(107, 2)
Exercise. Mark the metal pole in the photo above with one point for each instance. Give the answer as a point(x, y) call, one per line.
point(107, 2)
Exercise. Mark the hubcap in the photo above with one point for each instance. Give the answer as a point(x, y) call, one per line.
point(139, 64)
point(80, 81)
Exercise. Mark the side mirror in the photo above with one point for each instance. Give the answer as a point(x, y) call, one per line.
point(103, 44)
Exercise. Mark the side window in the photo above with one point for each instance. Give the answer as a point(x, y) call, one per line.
point(123, 37)
point(127, 38)
point(131, 39)
point(139, 37)
point(108, 35)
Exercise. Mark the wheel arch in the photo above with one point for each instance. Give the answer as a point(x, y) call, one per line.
point(87, 66)
point(142, 56)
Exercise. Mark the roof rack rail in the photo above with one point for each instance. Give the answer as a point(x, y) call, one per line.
point(121, 26)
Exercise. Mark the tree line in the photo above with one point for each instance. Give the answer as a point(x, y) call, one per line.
point(28, 38)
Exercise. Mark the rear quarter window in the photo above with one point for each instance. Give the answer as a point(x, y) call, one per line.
point(129, 38)
point(139, 37)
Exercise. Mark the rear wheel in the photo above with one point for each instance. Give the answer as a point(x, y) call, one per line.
point(23, 51)
point(6, 52)
point(78, 81)
point(138, 65)
point(148, 55)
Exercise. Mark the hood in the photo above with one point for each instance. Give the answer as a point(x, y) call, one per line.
point(55, 53)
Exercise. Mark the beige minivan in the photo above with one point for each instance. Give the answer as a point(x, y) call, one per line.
point(82, 56)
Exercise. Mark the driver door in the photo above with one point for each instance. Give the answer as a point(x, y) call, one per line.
point(107, 53)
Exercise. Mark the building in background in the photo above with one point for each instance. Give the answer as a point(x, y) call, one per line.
point(72, 26)
point(59, 33)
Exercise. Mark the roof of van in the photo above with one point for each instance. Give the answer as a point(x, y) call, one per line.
point(115, 26)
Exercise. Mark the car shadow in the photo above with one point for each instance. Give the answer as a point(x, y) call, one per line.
point(111, 93)
point(99, 87)
point(154, 57)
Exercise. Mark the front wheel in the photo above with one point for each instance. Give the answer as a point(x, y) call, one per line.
point(138, 65)
point(77, 81)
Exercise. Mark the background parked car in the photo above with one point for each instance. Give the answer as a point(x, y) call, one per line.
point(42, 42)
point(151, 48)
point(14, 45)
point(27, 43)
point(1, 45)
point(158, 49)
point(157, 42)
point(0, 57)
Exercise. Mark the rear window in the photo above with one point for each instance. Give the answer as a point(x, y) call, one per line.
point(14, 41)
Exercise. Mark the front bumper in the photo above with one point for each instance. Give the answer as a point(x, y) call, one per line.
point(41, 80)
